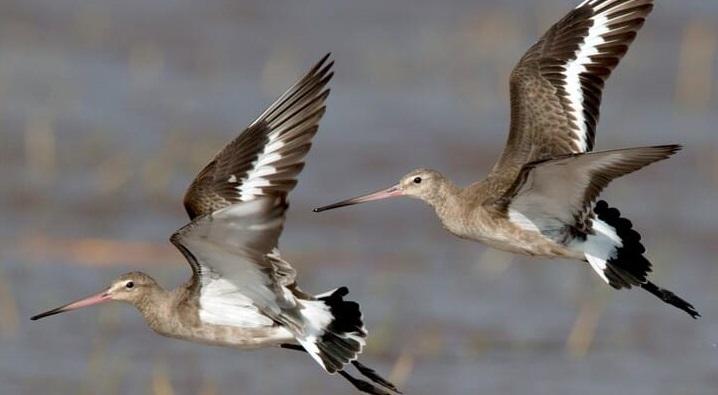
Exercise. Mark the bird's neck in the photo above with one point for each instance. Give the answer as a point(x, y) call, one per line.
point(452, 208)
point(155, 305)
point(445, 197)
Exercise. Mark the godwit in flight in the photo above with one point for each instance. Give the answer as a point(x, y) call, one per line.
point(242, 294)
point(540, 198)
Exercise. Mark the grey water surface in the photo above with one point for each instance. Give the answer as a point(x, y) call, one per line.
point(109, 108)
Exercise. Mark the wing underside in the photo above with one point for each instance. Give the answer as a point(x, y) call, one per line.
point(555, 196)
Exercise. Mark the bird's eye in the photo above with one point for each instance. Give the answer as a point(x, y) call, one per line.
point(130, 284)
point(417, 180)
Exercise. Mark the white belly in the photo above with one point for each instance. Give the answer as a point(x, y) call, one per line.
point(221, 303)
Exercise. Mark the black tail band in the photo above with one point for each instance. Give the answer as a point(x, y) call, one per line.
point(629, 267)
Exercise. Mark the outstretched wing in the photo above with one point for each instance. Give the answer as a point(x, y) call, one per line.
point(238, 284)
point(557, 86)
point(237, 205)
point(266, 158)
point(554, 196)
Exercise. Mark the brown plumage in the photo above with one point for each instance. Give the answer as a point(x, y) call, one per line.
point(242, 294)
point(250, 166)
point(545, 122)
point(540, 197)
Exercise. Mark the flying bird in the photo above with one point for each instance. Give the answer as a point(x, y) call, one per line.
point(242, 293)
point(540, 198)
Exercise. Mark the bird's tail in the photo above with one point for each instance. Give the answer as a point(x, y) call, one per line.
point(615, 252)
point(334, 334)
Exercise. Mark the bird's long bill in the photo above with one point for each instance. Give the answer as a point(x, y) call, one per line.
point(378, 195)
point(88, 301)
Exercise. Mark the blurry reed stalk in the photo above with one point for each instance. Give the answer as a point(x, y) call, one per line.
point(117, 370)
point(160, 380)
point(9, 321)
point(105, 370)
point(96, 367)
point(694, 85)
point(403, 367)
point(583, 332)
point(40, 147)
point(209, 387)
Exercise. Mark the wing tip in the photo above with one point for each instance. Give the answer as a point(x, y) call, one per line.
point(321, 67)
point(666, 150)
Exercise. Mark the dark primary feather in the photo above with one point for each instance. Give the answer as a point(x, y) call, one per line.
point(266, 158)
point(543, 118)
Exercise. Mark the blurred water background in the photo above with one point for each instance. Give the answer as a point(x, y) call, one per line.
point(108, 109)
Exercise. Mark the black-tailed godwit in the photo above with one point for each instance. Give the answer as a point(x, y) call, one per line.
point(242, 294)
point(540, 198)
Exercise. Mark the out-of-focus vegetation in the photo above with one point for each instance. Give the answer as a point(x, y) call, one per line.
point(108, 109)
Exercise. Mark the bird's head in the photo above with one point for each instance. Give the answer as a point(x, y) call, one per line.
point(130, 288)
point(424, 184)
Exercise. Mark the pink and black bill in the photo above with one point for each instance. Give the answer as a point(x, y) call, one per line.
point(390, 192)
point(88, 301)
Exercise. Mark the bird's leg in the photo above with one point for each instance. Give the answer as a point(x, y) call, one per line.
point(362, 385)
point(372, 375)
point(294, 347)
point(366, 371)
point(670, 298)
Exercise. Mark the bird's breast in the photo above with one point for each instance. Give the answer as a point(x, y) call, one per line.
point(230, 336)
point(503, 235)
